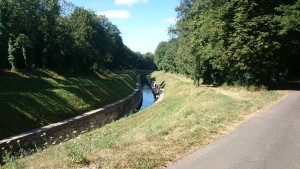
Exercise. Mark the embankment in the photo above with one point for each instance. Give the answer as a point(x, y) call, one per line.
point(67, 129)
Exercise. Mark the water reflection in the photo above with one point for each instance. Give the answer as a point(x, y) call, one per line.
point(148, 97)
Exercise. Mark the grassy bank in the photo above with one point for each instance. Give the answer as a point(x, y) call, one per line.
point(188, 118)
point(39, 98)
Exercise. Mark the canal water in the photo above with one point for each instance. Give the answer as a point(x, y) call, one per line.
point(148, 96)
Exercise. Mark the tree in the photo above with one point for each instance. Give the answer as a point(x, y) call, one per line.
point(160, 54)
point(11, 52)
point(19, 19)
point(290, 38)
point(55, 34)
point(23, 42)
point(235, 42)
point(149, 61)
point(82, 23)
point(5, 12)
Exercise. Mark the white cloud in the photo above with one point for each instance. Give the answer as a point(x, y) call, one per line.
point(118, 14)
point(129, 2)
point(170, 20)
point(160, 30)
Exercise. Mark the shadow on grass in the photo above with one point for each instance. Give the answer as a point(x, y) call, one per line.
point(15, 82)
point(162, 84)
point(23, 112)
point(30, 102)
point(16, 122)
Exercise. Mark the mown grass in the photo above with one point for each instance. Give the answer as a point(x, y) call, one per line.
point(188, 118)
point(35, 99)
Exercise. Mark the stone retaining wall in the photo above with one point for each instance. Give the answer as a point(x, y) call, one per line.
point(156, 89)
point(70, 128)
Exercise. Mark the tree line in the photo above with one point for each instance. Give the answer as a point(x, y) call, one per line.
point(56, 34)
point(237, 42)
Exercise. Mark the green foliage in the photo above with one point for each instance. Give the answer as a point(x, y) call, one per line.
point(160, 54)
point(289, 20)
point(55, 34)
point(11, 51)
point(11, 160)
point(24, 43)
point(290, 37)
point(235, 42)
point(77, 153)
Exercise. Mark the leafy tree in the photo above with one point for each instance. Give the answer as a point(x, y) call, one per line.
point(11, 56)
point(55, 34)
point(236, 42)
point(23, 42)
point(5, 12)
point(160, 54)
point(48, 27)
point(290, 38)
point(83, 25)
point(149, 61)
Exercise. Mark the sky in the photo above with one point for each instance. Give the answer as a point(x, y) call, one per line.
point(143, 23)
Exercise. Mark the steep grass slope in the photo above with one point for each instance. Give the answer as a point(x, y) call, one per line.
point(31, 100)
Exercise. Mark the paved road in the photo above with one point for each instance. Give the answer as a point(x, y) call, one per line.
point(268, 141)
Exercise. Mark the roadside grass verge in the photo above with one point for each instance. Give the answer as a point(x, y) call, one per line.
point(41, 97)
point(188, 118)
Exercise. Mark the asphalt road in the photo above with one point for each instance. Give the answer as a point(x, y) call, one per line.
point(268, 141)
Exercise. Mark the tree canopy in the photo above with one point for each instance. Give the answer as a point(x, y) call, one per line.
point(235, 42)
point(55, 34)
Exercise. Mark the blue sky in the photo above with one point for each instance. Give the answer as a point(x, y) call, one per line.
point(143, 23)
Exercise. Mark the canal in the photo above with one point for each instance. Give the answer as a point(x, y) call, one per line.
point(148, 96)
